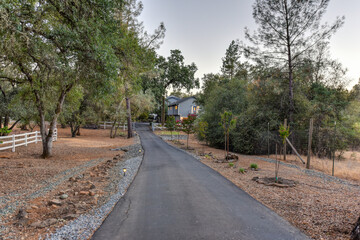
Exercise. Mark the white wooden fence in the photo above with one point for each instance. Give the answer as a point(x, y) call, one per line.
point(157, 126)
point(106, 125)
point(13, 141)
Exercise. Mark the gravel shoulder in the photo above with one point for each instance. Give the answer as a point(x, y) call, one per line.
point(71, 185)
point(321, 206)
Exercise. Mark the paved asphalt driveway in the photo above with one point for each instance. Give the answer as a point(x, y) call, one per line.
point(174, 196)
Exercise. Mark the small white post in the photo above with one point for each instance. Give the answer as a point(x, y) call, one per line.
point(124, 126)
point(36, 137)
point(104, 125)
point(25, 139)
point(13, 143)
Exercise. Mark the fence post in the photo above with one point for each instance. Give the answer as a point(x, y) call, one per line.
point(268, 140)
point(13, 143)
point(309, 143)
point(26, 139)
point(285, 126)
point(104, 125)
point(333, 165)
point(36, 137)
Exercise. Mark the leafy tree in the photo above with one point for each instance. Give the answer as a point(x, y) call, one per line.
point(135, 51)
point(170, 124)
point(287, 31)
point(228, 123)
point(172, 72)
point(187, 125)
point(51, 46)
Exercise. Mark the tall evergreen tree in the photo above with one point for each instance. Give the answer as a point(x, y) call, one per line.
point(287, 30)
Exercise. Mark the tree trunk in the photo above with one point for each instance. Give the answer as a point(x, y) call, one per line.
point(128, 108)
point(1, 121)
point(6, 121)
point(187, 142)
point(47, 137)
point(112, 135)
point(78, 131)
point(227, 142)
point(225, 147)
point(163, 111)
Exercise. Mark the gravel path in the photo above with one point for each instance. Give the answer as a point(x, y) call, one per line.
point(85, 225)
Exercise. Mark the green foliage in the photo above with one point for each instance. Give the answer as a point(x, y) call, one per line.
point(201, 129)
point(5, 131)
point(170, 123)
point(254, 166)
point(284, 132)
point(187, 126)
point(231, 164)
point(241, 170)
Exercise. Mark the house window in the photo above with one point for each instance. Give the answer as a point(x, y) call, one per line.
point(175, 107)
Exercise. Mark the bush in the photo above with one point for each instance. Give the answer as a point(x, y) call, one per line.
point(254, 165)
point(231, 164)
point(241, 170)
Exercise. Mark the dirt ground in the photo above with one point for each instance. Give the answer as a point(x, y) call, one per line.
point(25, 167)
point(320, 208)
point(24, 173)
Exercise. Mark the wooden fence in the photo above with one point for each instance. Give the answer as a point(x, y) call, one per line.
point(13, 141)
point(157, 126)
point(106, 125)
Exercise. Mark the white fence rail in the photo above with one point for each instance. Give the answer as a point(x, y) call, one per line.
point(106, 125)
point(14, 141)
point(157, 126)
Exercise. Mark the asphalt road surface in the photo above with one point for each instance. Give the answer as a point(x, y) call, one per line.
point(174, 196)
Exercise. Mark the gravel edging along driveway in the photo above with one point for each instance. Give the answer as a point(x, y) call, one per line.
point(86, 224)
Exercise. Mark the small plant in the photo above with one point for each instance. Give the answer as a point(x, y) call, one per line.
point(4, 131)
point(254, 166)
point(231, 164)
point(241, 170)
point(284, 132)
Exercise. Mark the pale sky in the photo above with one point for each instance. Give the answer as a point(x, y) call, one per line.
point(203, 29)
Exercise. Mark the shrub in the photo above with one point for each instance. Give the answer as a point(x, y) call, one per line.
point(241, 170)
point(231, 164)
point(254, 165)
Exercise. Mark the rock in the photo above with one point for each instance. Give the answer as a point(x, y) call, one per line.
point(91, 193)
point(92, 174)
point(72, 179)
point(54, 206)
point(34, 207)
point(43, 224)
point(92, 186)
point(70, 217)
point(95, 200)
point(64, 196)
point(84, 193)
point(355, 233)
point(76, 193)
point(20, 165)
point(56, 202)
point(22, 214)
point(81, 176)
point(232, 157)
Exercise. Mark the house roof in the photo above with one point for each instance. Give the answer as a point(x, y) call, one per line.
point(181, 100)
point(172, 97)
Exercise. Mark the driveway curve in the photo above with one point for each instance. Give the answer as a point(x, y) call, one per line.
point(174, 196)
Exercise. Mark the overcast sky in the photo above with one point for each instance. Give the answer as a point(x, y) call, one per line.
point(203, 29)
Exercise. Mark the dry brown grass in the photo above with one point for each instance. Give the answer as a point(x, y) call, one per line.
point(347, 168)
